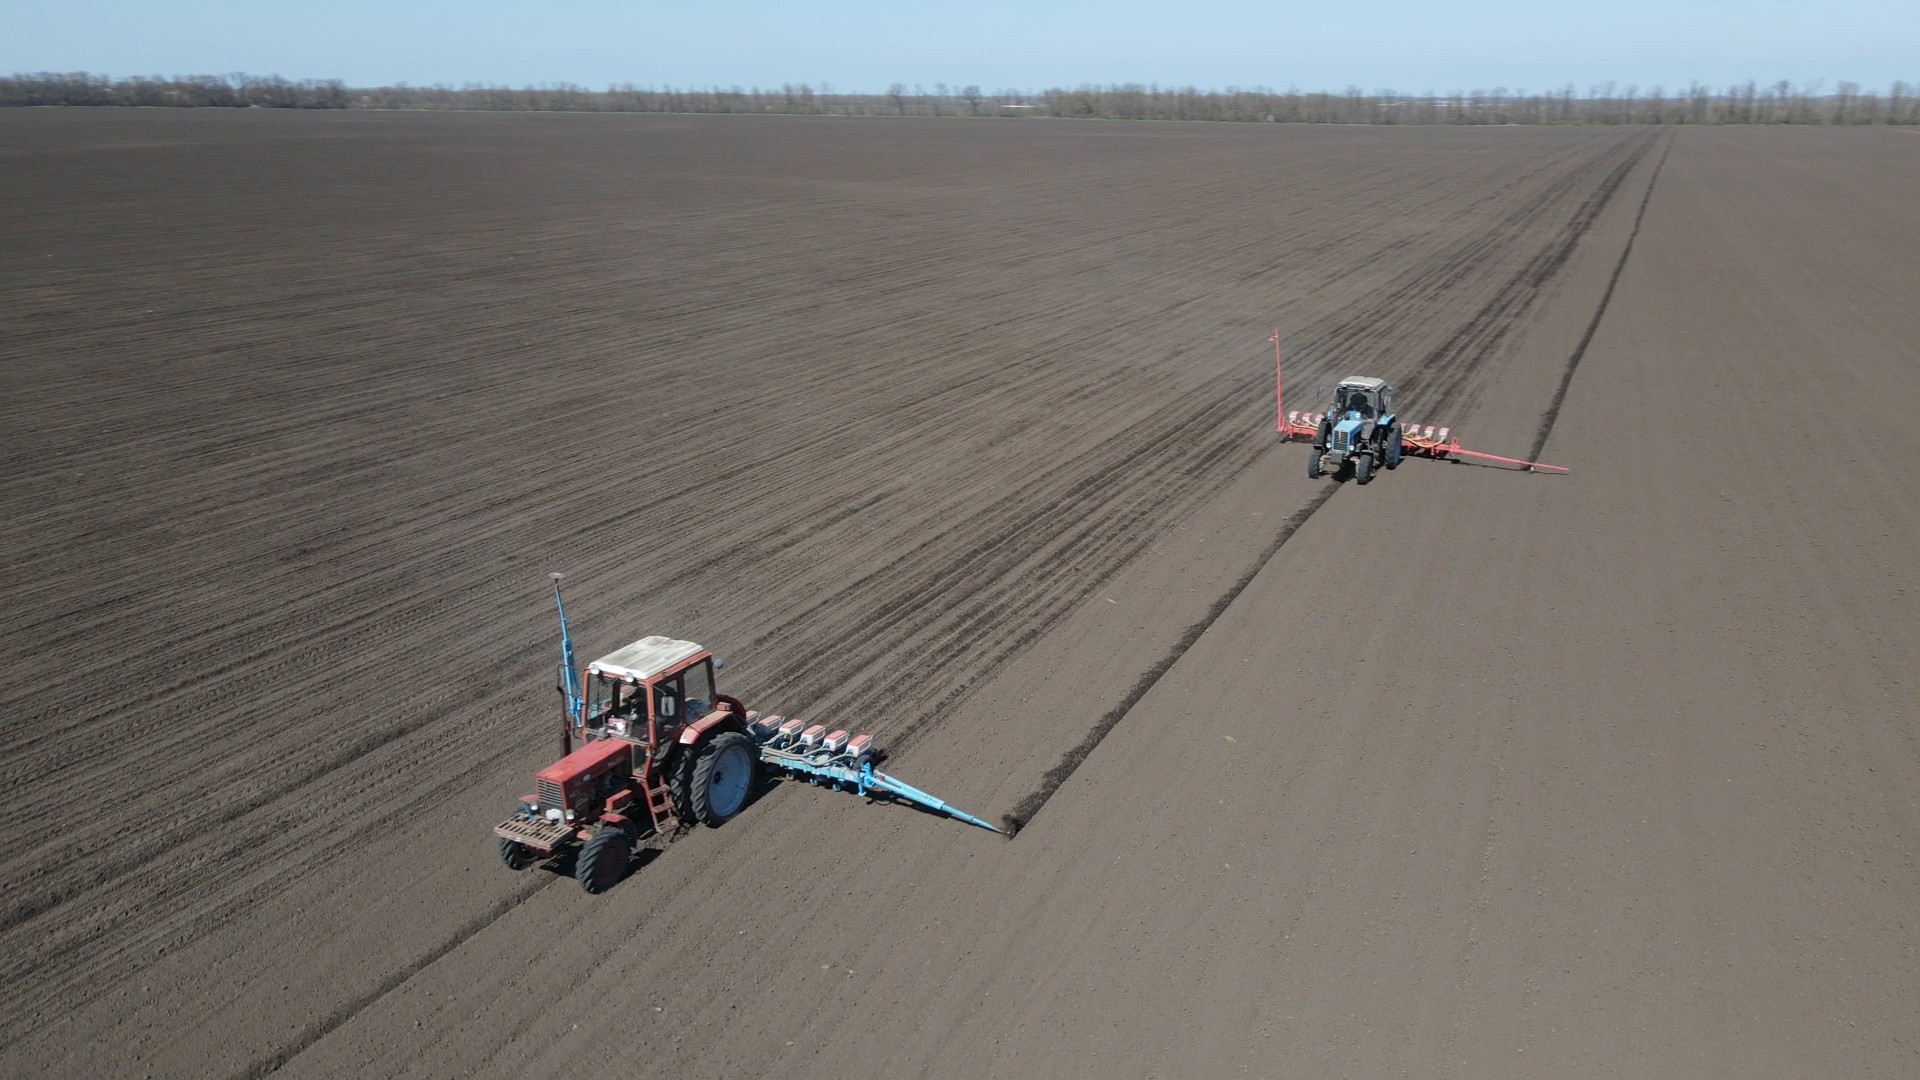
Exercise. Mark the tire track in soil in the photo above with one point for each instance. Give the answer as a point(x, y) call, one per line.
point(1447, 365)
point(1032, 803)
point(1552, 415)
point(1154, 451)
point(982, 585)
point(1501, 314)
point(1103, 508)
point(273, 1062)
point(1162, 454)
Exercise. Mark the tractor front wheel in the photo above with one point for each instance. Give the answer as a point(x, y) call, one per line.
point(1395, 447)
point(1362, 469)
point(723, 777)
point(1313, 464)
point(603, 859)
point(516, 855)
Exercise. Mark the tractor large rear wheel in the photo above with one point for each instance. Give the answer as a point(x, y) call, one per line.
point(603, 859)
point(723, 778)
point(1362, 468)
point(516, 855)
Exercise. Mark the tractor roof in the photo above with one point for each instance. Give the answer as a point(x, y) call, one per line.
point(645, 658)
point(1364, 382)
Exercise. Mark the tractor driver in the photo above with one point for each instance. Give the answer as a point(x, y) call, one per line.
point(629, 713)
point(1358, 407)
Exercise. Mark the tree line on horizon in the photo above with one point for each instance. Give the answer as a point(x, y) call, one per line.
point(1780, 102)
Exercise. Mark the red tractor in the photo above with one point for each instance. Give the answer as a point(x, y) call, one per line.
point(650, 745)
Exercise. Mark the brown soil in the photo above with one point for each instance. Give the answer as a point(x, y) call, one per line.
point(962, 433)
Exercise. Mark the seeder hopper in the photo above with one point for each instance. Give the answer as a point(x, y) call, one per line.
point(839, 761)
point(1361, 427)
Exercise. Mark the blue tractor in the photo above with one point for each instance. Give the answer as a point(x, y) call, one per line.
point(1360, 432)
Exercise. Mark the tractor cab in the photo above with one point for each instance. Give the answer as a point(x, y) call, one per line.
point(1362, 399)
point(646, 692)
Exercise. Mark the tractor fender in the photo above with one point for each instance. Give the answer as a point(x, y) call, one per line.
point(726, 717)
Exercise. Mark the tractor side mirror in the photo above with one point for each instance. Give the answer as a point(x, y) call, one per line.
point(668, 706)
point(718, 663)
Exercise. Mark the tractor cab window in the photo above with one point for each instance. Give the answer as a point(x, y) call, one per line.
point(602, 695)
point(697, 688)
point(685, 697)
point(615, 707)
point(1359, 401)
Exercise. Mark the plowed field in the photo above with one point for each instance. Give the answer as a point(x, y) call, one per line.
point(961, 432)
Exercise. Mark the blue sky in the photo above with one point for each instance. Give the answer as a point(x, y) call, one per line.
point(866, 45)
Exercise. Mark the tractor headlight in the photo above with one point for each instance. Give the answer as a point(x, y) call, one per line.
point(553, 813)
point(569, 815)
